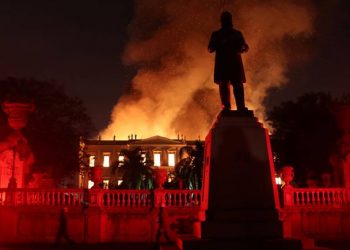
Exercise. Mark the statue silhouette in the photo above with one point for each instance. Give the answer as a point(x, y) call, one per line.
point(228, 44)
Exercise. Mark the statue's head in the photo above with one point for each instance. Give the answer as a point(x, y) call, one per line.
point(226, 19)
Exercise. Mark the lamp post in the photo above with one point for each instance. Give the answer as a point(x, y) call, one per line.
point(17, 117)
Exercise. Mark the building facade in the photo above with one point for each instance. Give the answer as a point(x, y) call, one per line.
point(163, 152)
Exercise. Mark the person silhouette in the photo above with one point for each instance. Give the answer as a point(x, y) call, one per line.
point(228, 44)
point(62, 229)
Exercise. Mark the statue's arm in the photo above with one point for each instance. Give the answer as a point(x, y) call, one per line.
point(245, 46)
point(212, 43)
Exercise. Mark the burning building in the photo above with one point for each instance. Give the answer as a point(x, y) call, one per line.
point(163, 152)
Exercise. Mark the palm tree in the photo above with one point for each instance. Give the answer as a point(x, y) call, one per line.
point(135, 170)
point(189, 170)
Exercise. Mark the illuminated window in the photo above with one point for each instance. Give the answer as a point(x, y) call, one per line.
point(171, 159)
point(106, 158)
point(91, 161)
point(120, 182)
point(278, 180)
point(121, 158)
point(90, 184)
point(143, 156)
point(105, 184)
point(156, 159)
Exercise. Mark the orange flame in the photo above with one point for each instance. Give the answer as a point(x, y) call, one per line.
point(173, 91)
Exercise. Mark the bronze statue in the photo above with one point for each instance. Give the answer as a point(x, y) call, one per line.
point(228, 43)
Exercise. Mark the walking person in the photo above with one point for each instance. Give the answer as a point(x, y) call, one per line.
point(62, 229)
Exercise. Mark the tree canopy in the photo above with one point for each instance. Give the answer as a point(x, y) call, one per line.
point(135, 170)
point(305, 133)
point(189, 170)
point(53, 130)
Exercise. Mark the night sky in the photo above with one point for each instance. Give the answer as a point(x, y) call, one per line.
point(79, 44)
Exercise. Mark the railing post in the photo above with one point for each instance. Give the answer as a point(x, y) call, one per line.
point(288, 196)
point(159, 197)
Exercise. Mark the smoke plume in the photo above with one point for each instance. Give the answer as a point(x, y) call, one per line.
point(173, 91)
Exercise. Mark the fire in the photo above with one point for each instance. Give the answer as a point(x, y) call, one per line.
point(173, 91)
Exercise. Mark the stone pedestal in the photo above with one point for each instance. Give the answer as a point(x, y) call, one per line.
point(239, 182)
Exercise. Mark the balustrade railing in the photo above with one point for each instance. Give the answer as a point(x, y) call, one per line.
point(101, 197)
point(182, 198)
point(51, 197)
point(316, 197)
point(121, 198)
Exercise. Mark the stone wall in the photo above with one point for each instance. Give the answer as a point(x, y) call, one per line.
point(23, 224)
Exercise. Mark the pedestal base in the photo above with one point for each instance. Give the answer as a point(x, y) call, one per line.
point(277, 244)
point(242, 196)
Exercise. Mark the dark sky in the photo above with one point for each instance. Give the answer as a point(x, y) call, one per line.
point(326, 67)
point(76, 43)
point(79, 44)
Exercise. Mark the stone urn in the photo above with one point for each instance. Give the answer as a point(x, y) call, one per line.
point(17, 117)
point(287, 175)
point(96, 176)
point(17, 113)
point(160, 175)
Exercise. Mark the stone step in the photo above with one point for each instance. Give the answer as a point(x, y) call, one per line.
point(277, 244)
point(169, 246)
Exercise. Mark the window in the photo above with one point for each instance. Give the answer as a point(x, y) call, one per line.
point(106, 157)
point(143, 156)
point(91, 161)
point(171, 159)
point(156, 159)
point(105, 184)
point(278, 180)
point(90, 184)
point(121, 160)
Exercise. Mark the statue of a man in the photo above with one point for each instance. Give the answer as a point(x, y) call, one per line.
point(228, 43)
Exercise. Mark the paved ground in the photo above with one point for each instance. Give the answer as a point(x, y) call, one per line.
point(334, 245)
point(119, 246)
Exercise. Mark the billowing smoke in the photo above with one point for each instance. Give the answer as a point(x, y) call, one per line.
point(173, 91)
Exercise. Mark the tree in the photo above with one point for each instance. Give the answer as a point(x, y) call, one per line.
point(189, 170)
point(135, 170)
point(305, 133)
point(54, 128)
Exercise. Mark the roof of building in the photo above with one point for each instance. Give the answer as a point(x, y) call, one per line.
point(153, 140)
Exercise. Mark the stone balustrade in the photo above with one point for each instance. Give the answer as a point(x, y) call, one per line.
point(184, 198)
point(49, 197)
point(292, 197)
point(100, 197)
point(121, 198)
point(316, 197)
point(318, 213)
point(99, 215)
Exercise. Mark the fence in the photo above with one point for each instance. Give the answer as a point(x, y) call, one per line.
point(100, 197)
point(316, 197)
